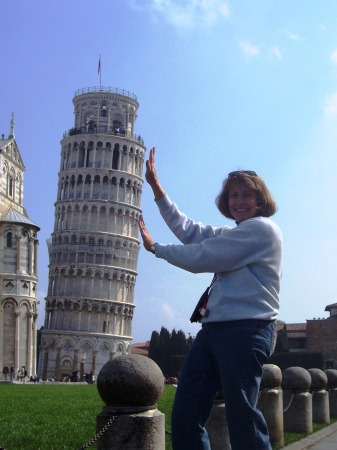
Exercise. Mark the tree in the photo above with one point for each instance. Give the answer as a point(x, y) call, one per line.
point(165, 343)
point(154, 347)
point(178, 343)
point(168, 350)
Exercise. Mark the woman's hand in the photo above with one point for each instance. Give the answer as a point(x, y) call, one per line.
point(151, 176)
point(147, 239)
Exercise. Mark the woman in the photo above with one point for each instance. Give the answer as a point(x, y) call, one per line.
point(238, 323)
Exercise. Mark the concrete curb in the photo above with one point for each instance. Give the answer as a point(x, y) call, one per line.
point(313, 439)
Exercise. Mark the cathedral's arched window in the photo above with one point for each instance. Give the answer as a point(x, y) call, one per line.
point(11, 187)
point(9, 239)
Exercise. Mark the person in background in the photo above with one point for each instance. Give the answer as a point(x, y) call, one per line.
point(11, 373)
point(5, 371)
point(238, 330)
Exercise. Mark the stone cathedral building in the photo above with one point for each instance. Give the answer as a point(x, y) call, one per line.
point(18, 265)
point(94, 247)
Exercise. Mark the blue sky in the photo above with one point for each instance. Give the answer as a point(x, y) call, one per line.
point(222, 85)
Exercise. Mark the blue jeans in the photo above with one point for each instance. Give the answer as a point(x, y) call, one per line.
point(227, 355)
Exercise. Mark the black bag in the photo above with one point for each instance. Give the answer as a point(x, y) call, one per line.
point(199, 311)
point(196, 315)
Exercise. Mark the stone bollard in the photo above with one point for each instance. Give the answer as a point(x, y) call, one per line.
point(297, 400)
point(320, 396)
point(271, 402)
point(332, 388)
point(216, 425)
point(130, 386)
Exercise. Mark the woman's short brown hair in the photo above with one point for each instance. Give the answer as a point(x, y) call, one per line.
point(265, 201)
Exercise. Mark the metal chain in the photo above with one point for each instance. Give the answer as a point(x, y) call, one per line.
point(99, 434)
point(289, 404)
point(104, 430)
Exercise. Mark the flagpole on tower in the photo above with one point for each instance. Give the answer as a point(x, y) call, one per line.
point(100, 72)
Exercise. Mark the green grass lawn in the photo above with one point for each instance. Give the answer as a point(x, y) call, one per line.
point(56, 417)
point(63, 417)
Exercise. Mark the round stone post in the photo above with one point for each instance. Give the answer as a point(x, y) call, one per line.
point(271, 402)
point(297, 400)
point(320, 396)
point(130, 386)
point(332, 388)
point(216, 425)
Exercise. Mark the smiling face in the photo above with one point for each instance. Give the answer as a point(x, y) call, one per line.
point(242, 202)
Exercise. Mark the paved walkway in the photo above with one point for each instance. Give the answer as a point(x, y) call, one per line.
point(325, 439)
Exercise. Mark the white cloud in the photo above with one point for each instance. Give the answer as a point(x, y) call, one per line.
point(224, 9)
point(186, 14)
point(330, 106)
point(333, 57)
point(249, 49)
point(275, 51)
point(168, 311)
point(292, 36)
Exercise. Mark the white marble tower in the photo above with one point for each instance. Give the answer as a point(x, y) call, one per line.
point(94, 247)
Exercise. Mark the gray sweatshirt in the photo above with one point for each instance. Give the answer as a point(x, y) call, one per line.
point(246, 259)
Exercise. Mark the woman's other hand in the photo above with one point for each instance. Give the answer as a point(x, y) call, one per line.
point(147, 239)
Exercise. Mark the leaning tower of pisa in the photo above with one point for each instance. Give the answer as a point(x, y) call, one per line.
point(93, 249)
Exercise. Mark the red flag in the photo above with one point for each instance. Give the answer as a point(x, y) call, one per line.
point(99, 65)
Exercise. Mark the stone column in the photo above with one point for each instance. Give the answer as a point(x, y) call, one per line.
point(89, 318)
point(271, 402)
point(94, 359)
point(58, 364)
point(34, 344)
point(320, 396)
point(45, 362)
point(130, 386)
point(18, 253)
point(30, 255)
point(17, 340)
point(216, 425)
point(297, 400)
point(1, 332)
point(75, 363)
point(332, 387)
point(36, 243)
point(107, 322)
point(30, 344)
